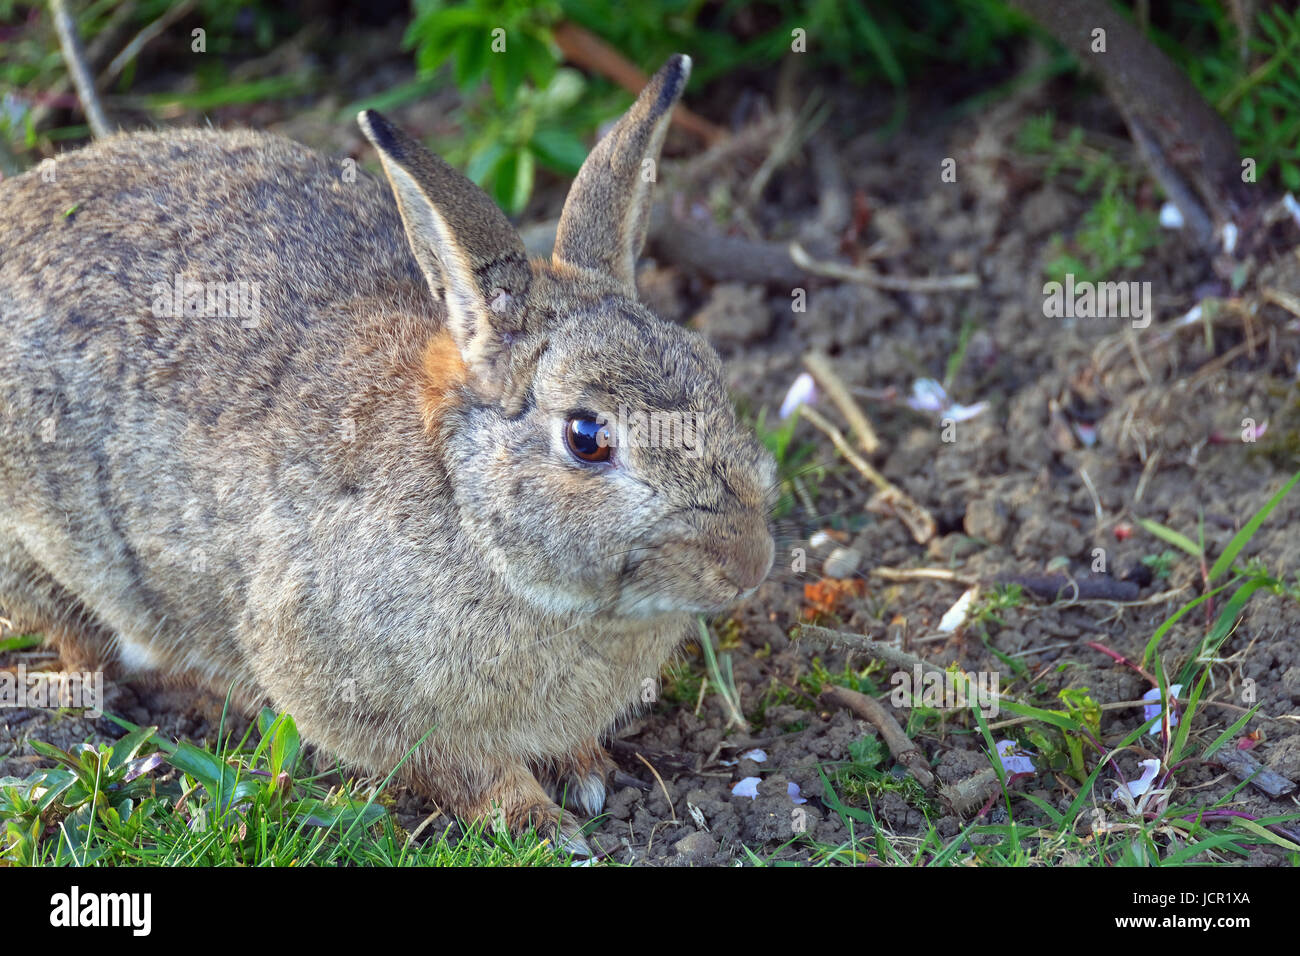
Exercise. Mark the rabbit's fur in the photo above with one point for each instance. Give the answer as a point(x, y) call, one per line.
point(358, 503)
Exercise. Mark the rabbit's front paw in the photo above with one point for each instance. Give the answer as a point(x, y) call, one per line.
point(516, 801)
point(577, 780)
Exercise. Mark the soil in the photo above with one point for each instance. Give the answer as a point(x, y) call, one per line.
point(1015, 490)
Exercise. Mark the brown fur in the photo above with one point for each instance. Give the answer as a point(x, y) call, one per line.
point(262, 505)
point(444, 373)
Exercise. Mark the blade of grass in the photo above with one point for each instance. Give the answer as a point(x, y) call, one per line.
point(1248, 530)
point(1170, 536)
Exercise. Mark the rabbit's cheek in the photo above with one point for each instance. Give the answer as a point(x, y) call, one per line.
point(444, 374)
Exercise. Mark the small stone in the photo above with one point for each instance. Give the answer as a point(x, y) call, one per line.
point(734, 313)
point(697, 847)
point(841, 563)
point(987, 519)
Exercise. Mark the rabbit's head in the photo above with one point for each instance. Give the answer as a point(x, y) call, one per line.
point(594, 452)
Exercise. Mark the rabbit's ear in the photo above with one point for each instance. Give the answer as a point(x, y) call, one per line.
point(469, 253)
point(605, 218)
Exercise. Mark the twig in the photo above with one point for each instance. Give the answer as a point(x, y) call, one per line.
point(1056, 587)
point(1116, 656)
point(724, 258)
point(662, 786)
point(96, 50)
point(820, 367)
point(858, 642)
point(871, 710)
point(138, 42)
point(1243, 765)
point(672, 760)
point(75, 57)
point(923, 574)
point(865, 276)
point(919, 521)
point(587, 50)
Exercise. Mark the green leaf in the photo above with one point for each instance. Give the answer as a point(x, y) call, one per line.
point(483, 163)
point(1046, 716)
point(1223, 625)
point(1185, 718)
point(57, 782)
point(513, 181)
point(285, 744)
point(20, 642)
point(54, 753)
point(1149, 653)
point(1231, 732)
point(559, 150)
point(220, 780)
point(318, 813)
point(471, 53)
point(1266, 834)
point(126, 748)
point(1246, 533)
point(1170, 536)
point(539, 62)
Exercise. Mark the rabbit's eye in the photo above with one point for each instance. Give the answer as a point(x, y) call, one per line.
point(588, 439)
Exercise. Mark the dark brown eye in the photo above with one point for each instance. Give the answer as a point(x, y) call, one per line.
point(588, 439)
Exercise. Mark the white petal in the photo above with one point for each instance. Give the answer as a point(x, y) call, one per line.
point(928, 396)
point(802, 392)
point(955, 616)
point(746, 788)
point(1229, 237)
point(792, 788)
point(961, 413)
point(1135, 788)
point(1171, 216)
point(1014, 758)
point(1154, 710)
point(756, 755)
point(1292, 207)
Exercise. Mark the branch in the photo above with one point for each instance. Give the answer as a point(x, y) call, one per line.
point(75, 57)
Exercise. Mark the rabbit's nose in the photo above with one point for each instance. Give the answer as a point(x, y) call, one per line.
point(747, 566)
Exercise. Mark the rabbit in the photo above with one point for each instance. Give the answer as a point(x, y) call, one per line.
point(274, 427)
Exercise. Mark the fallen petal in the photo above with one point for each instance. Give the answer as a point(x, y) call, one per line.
point(928, 396)
point(746, 788)
point(1135, 788)
point(802, 392)
point(1154, 710)
point(955, 616)
point(1015, 759)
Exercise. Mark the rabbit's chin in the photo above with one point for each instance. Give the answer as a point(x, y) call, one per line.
point(639, 606)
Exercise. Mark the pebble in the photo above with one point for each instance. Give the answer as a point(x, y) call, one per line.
point(841, 563)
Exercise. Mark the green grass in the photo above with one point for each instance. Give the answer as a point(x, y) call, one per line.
point(144, 802)
point(1114, 235)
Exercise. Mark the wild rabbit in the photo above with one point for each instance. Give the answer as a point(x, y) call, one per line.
point(265, 428)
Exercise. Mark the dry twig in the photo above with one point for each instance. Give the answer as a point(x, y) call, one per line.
point(75, 57)
point(820, 367)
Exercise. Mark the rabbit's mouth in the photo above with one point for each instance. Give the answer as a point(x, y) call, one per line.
point(699, 577)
